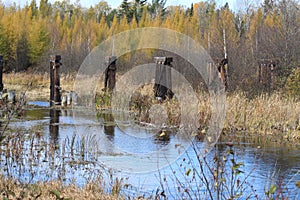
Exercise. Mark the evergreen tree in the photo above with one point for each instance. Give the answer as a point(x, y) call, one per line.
point(45, 8)
point(157, 7)
point(137, 8)
point(34, 8)
point(126, 10)
point(38, 40)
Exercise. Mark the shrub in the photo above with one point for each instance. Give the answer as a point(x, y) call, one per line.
point(292, 86)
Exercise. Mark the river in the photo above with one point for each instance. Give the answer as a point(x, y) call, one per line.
point(77, 146)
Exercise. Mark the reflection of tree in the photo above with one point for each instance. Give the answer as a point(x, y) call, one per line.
point(53, 126)
point(109, 124)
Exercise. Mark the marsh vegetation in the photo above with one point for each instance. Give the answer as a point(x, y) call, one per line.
point(142, 153)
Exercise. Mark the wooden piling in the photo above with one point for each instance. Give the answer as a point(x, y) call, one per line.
point(110, 73)
point(163, 79)
point(1, 73)
point(266, 73)
point(55, 96)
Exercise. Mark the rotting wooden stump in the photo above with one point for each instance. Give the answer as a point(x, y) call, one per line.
point(1, 73)
point(110, 73)
point(55, 97)
point(163, 80)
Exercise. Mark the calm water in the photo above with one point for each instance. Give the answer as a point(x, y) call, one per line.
point(79, 146)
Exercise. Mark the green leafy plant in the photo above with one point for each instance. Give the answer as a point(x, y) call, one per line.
point(293, 84)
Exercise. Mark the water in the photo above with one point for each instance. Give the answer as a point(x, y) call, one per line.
point(78, 146)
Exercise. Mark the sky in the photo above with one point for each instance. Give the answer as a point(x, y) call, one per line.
point(233, 4)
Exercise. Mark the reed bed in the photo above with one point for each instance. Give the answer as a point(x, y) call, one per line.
point(272, 114)
point(267, 114)
point(27, 152)
point(13, 189)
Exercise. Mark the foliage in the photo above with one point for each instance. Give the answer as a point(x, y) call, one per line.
point(29, 34)
point(293, 83)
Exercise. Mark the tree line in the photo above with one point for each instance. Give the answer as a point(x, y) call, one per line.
point(29, 34)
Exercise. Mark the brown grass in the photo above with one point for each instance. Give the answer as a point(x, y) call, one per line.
point(264, 115)
point(12, 189)
point(36, 85)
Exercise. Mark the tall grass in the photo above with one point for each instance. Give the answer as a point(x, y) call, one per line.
point(26, 153)
point(272, 114)
point(12, 189)
point(268, 114)
point(36, 84)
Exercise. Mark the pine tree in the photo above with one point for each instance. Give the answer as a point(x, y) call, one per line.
point(34, 8)
point(126, 10)
point(114, 26)
point(145, 21)
point(45, 8)
point(157, 7)
point(38, 40)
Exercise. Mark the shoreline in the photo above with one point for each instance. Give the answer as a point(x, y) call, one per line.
point(267, 114)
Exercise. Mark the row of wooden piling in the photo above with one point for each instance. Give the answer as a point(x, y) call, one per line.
point(162, 87)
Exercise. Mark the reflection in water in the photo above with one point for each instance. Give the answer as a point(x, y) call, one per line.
point(54, 125)
point(108, 120)
point(109, 124)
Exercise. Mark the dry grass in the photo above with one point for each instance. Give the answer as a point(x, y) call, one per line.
point(12, 189)
point(264, 115)
point(37, 86)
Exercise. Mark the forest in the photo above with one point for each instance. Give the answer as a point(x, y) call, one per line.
point(30, 34)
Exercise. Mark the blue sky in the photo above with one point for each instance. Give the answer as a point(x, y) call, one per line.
point(233, 4)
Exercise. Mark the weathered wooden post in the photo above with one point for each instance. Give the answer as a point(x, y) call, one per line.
point(223, 72)
point(110, 73)
point(266, 73)
point(272, 78)
point(163, 80)
point(259, 73)
point(52, 64)
point(55, 97)
point(1, 73)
